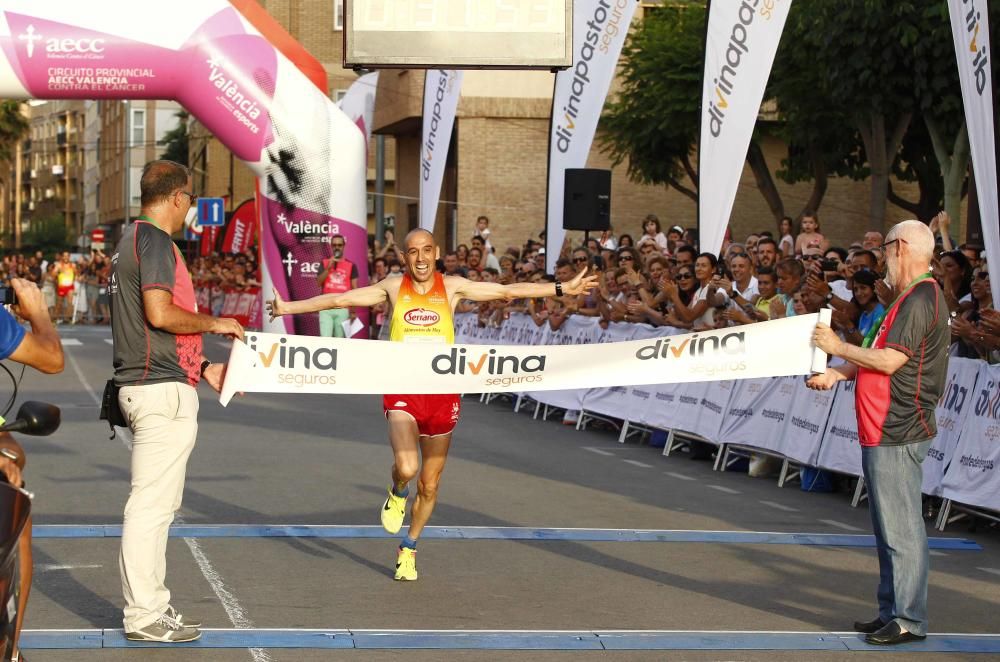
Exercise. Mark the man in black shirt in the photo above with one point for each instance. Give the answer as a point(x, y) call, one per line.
point(158, 363)
point(900, 369)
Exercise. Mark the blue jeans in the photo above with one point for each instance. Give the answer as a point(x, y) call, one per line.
point(894, 475)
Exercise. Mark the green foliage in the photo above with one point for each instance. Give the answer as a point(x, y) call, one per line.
point(176, 140)
point(13, 127)
point(654, 120)
point(48, 234)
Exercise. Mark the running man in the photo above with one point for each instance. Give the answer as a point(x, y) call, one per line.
point(420, 426)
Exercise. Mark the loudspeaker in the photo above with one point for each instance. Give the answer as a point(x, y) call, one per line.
point(587, 199)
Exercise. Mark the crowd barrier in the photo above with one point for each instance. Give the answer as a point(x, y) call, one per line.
point(242, 305)
point(778, 416)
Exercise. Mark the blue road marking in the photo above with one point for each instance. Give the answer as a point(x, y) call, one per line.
point(500, 533)
point(513, 640)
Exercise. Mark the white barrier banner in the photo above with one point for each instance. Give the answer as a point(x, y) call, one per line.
point(953, 409)
point(599, 31)
point(802, 438)
point(973, 477)
point(740, 44)
point(614, 401)
point(273, 363)
point(442, 90)
point(841, 450)
point(758, 413)
point(970, 31)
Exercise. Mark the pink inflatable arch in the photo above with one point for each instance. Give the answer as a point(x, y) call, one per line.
point(232, 67)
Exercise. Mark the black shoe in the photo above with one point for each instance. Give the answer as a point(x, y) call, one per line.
point(869, 627)
point(891, 635)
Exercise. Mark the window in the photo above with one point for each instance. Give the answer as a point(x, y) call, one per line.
point(133, 188)
point(338, 14)
point(138, 127)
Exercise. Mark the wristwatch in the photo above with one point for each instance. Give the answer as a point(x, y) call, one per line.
point(829, 297)
point(204, 366)
point(559, 291)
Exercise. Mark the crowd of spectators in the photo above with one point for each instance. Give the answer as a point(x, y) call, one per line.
point(661, 278)
point(75, 285)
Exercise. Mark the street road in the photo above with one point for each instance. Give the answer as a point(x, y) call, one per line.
point(313, 460)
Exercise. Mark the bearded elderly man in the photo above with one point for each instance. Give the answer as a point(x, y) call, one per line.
point(900, 371)
point(420, 426)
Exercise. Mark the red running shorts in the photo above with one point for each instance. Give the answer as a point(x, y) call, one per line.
point(436, 415)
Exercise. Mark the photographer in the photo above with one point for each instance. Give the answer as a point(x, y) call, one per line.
point(41, 349)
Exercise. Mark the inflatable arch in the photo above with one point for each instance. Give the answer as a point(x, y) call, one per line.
point(242, 76)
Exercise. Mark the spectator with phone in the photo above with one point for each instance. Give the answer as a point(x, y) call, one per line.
point(39, 348)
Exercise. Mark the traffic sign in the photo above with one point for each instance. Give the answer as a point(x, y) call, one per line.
point(97, 235)
point(211, 212)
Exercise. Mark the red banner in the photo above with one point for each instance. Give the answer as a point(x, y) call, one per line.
point(241, 230)
point(242, 305)
point(209, 236)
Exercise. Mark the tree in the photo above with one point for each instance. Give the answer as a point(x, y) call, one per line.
point(13, 127)
point(48, 234)
point(865, 52)
point(176, 140)
point(654, 120)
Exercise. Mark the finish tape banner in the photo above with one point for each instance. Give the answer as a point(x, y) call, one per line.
point(273, 363)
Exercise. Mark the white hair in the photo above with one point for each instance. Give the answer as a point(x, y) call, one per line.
point(918, 237)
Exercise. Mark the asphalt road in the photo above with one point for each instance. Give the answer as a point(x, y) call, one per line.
point(311, 460)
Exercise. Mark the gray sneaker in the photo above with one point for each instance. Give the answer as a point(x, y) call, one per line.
point(165, 630)
point(181, 619)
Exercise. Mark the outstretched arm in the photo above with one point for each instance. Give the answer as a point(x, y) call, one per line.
point(478, 291)
point(363, 296)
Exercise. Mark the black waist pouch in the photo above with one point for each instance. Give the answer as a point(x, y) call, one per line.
point(110, 410)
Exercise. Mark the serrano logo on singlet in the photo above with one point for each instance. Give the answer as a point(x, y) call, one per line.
point(421, 317)
point(503, 370)
point(292, 357)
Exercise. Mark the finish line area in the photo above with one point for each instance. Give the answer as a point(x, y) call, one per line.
point(513, 640)
point(547, 541)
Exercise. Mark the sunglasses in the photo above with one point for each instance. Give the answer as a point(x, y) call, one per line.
point(626, 258)
point(192, 196)
point(882, 247)
point(812, 257)
point(579, 259)
point(983, 275)
point(684, 276)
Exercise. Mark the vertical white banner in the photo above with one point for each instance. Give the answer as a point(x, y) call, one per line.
point(740, 44)
point(359, 103)
point(971, 32)
point(441, 92)
point(599, 31)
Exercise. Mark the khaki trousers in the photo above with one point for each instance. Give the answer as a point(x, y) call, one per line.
point(163, 419)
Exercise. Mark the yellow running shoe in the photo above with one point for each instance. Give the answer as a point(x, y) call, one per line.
point(393, 511)
point(406, 565)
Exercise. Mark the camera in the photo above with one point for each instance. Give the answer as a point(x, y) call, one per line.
point(8, 296)
point(828, 265)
